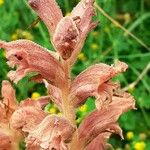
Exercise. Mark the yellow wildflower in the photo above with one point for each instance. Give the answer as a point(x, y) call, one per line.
point(127, 17)
point(14, 36)
point(35, 95)
point(94, 46)
point(130, 135)
point(27, 35)
point(139, 146)
point(1, 2)
point(106, 29)
point(52, 110)
point(82, 57)
point(95, 33)
point(143, 136)
point(20, 34)
point(83, 108)
point(127, 147)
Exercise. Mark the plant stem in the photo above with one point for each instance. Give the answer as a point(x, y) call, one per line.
point(68, 109)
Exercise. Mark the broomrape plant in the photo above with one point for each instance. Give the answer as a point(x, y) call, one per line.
point(28, 120)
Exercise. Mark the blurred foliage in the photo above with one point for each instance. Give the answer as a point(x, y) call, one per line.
point(106, 43)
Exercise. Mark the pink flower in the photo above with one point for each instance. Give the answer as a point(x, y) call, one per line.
point(95, 82)
point(52, 133)
point(28, 119)
point(19, 54)
point(9, 138)
point(102, 123)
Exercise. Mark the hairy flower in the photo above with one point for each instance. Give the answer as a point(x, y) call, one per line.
point(42, 130)
point(52, 133)
point(19, 54)
point(9, 138)
point(27, 116)
point(94, 82)
point(68, 33)
point(104, 121)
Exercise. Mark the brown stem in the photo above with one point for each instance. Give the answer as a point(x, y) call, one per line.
point(68, 109)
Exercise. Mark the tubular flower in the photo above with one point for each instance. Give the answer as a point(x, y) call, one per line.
point(53, 132)
point(19, 54)
point(95, 82)
point(44, 131)
point(9, 138)
point(106, 120)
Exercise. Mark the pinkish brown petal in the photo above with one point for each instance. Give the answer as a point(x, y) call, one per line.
point(5, 141)
point(30, 57)
point(104, 120)
point(8, 94)
point(9, 139)
point(40, 102)
point(105, 93)
point(66, 37)
point(27, 116)
point(99, 143)
point(91, 82)
point(2, 111)
point(71, 31)
point(55, 94)
point(8, 103)
point(43, 101)
point(52, 133)
point(48, 11)
point(82, 15)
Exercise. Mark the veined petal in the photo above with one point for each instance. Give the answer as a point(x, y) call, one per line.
point(48, 11)
point(30, 57)
point(99, 143)
point(82, 15)
point(8, 104)
point(52, 133)
point(8, 94)
point(71, 31)
point(27, 116)
point(5, 141)
point(10, 139)
point(94, 81)
point(105, 119)
point(55, 94)
point(66, 37)
point(105, 93)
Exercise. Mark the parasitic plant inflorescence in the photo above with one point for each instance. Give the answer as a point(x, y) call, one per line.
point(28, 120)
